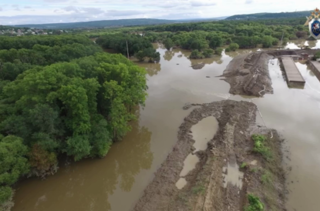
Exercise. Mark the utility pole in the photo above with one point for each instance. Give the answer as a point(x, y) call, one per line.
point(127, 49)
point(281, 40)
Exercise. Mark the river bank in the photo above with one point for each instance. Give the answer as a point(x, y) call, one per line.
point(217, 182)
point(248, 74)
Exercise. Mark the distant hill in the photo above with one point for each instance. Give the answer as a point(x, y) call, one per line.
point(113, 23)
point(99, 24)
point(270, 15)
point(5, 27)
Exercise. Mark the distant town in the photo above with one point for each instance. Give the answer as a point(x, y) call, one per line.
point(30, 31)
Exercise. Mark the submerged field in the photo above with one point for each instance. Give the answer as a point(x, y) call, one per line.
point(174, 83)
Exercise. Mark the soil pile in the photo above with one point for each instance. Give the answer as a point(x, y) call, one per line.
point(207, 185)
point(248, 74)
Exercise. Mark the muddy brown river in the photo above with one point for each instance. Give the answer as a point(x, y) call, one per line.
point(116, 182)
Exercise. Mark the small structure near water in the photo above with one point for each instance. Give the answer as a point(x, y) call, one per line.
point(315, 67)
point(293, 74)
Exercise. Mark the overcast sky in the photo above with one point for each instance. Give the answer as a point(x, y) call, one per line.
point(55, 11)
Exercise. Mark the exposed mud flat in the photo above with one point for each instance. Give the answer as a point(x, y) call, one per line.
point(208, 186)
point(248, 74)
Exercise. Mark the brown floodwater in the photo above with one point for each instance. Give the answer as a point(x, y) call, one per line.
point(189, 164)
point(203, 132)
point(116, 182)
point(181, 183)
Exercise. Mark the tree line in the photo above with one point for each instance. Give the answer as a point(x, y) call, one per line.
point(27, 42)
point(201, 37)
point(77, 104)
point(132, 44)
point(14, 62)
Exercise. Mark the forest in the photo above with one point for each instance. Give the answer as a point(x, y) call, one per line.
point(99, 24)
point(61, 96)
point(131, 44)
point(207, 38)
point(204, 39)
point(270, 15)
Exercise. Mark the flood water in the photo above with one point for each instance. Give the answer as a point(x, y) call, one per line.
point(116, 182)
point(189, 164)
point(203, 132)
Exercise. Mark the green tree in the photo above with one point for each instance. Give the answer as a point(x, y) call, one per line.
point(218, 51)
point(207, 53)
point(215, 41)
point(13, 164)
point(195, 54)
point(267, 41)
point(233, 46)
point(168, 43)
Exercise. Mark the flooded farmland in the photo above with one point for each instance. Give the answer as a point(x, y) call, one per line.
point(105, 184)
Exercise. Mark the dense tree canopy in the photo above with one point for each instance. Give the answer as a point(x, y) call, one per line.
point(13, 61)
point(69, 108)
point(28, 42)
point(68, 99)
point(247, 34)
point(131, 44)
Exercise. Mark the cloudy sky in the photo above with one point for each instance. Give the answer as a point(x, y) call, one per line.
point(55, 11)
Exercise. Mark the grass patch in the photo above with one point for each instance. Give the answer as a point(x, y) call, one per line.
point(266, 178)
point(260, 146)
point(198, 189)
point(254, 203)
point(254, 170)
point(243, 165)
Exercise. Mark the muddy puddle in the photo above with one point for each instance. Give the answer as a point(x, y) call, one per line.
point(203, 132)
point(232, 175)
point(181, 183)
point(189, 164)
point(104, 184)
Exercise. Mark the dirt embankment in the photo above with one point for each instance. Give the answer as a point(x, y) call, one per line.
point(207, 188)
point(248, 74)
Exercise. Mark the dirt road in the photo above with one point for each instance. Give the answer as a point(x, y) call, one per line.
point(248, 74)
point(210, 186)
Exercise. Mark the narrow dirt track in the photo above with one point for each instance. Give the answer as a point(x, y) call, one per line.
point(232, 144)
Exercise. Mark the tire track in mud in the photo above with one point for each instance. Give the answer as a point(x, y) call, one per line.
point(231, 144)
point(248, 74)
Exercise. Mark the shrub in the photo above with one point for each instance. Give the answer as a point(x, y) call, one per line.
point(243, 165)
point(168, 43)
point(233, 46)
point(195, 54)
point(259, 146)
point(254, 203)
point(207, 53)
point(218, 51)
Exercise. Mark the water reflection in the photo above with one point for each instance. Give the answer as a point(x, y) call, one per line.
point(297, 44)
point(197, 64)
point(168, 55)
point(151, 68)
point(88, 184)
